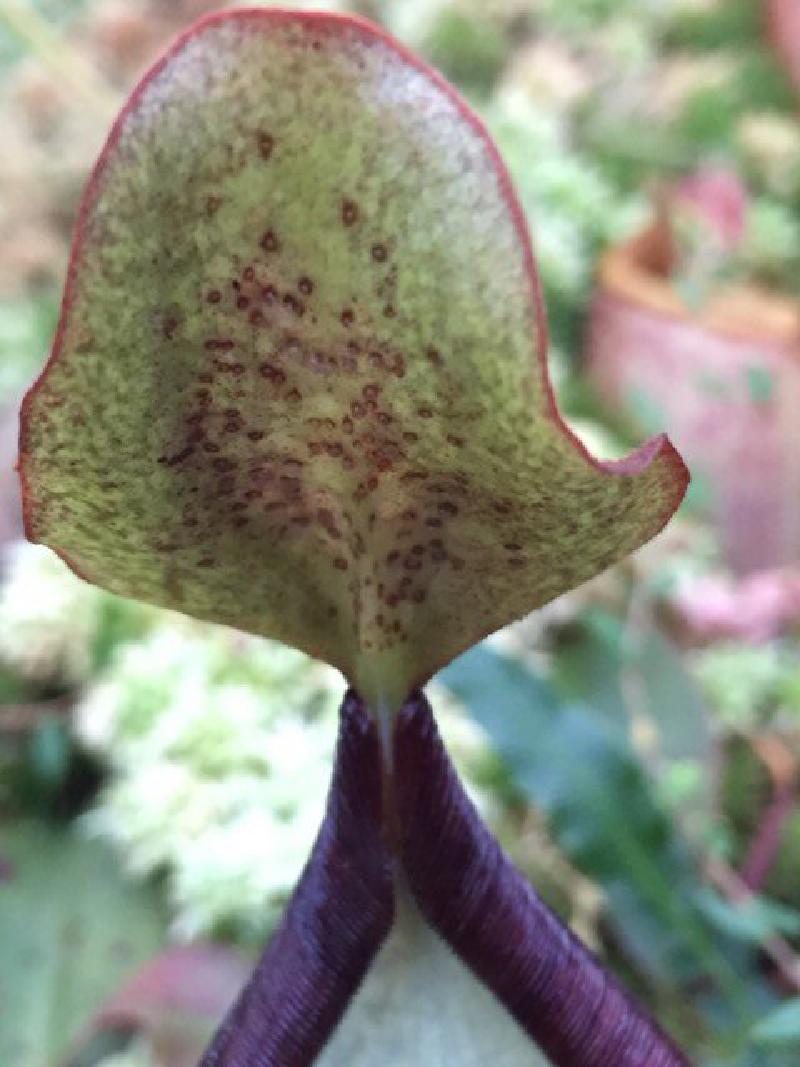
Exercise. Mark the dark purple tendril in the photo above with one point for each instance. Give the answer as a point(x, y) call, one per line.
point(466, 888)
point(338, 917)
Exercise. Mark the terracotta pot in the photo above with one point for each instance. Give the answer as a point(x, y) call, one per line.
point(783, 27)
point(724, 382)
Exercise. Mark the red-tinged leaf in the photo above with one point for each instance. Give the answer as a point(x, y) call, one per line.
point(176, 1000)
point(299, 382)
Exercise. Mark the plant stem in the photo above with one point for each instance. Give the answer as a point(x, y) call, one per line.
point(415, 825)
point(766, 842)
point(776, 948)
point(339, 916)
point(494, 921)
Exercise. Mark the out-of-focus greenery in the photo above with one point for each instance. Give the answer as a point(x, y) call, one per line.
point(617, 751)
point(219, 744)
point(55, 630)
point(137, 1054)
point(752, 685)
point(72, 928)
point(26, 329)
point(221, 747)
point(607, 817)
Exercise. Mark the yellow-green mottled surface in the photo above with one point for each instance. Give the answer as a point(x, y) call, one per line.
point(297, 387)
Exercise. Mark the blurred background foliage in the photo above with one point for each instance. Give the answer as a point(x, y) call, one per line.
point(635, 745)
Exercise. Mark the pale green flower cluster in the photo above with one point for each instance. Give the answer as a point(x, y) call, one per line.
point(55, 629)
point(575, 210)
point(749, 684)
point(48, 618)
point(221, 749)
point(413, 20)
point(771, 248)
point(219, 745)
point(580, 17)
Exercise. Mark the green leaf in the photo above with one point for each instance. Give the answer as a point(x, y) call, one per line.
point(13, 689)
point(71, 929)
point(599, 650)
point(672, 699)
point(50, 752)
point(601, 811)
point(736, 23)
point(754, 921)
point(588, 665)
point(780, 1027)
point(299, 382)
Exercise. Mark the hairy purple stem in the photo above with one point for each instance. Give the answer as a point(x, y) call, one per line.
point(494, 921)
point(343, 909)
point(339, 915)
